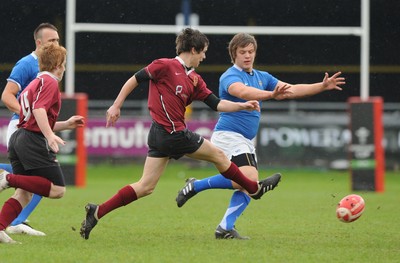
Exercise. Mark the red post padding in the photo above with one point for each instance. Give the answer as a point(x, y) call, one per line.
point(81, 154)
point(378, 130)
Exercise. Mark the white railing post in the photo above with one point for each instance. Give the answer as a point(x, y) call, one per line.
point(70, 45)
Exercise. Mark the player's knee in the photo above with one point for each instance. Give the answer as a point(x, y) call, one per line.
point(57, 192)
point(148, 190)
point(142, 189)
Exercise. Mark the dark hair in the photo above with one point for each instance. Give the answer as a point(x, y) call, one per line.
point(240, 40)
point(38, 31)
point(190, 38)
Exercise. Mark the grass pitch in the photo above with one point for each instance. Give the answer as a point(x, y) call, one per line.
point(294, 223)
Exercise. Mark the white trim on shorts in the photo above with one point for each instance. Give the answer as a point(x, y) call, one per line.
point(233, 143)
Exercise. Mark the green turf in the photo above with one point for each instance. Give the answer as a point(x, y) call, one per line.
point(294, 223)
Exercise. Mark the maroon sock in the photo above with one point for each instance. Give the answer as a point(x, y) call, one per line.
point(9, 212)
point(238, 177)
point(125, 196)
point(34, 184)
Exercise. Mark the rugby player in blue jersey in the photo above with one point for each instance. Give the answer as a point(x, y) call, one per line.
point(234, 132)
point(24, 71)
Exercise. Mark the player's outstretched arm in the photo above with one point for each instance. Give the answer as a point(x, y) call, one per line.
point(239, 90)
point(229, 106)
point(305, 90)
point(72, 123)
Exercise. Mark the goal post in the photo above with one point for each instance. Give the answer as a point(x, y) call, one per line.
point(362, 31)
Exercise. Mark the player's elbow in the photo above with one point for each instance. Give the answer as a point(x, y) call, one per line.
point(3, 98)
point(7, 99)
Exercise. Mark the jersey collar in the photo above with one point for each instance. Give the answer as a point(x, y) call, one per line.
point(50, 74)
point(187, 69)
point(241, 70)
point(34, 55)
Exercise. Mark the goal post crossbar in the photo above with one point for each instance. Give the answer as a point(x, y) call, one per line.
point(362, 31)
point(217, 30)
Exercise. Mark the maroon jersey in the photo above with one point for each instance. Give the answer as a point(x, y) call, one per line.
point(43, 93)
point(172, 88)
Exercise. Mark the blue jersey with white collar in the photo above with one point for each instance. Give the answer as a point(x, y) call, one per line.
point(243, 122)
point(24, 71)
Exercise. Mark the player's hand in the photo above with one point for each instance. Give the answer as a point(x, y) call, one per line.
point(251, 105)
point(330, 83)
point(53, 141)
point(75, 121)
point(112, 115)
point(282, 92)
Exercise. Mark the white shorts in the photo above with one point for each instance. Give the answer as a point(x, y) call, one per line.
point(12, 127)
point(232, 143)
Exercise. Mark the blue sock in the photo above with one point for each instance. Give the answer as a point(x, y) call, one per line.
point(27, 210)
point(6, 166)
point(214, 182)
point(238, 204)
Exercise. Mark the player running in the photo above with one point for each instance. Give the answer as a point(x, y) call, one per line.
point(173, 85)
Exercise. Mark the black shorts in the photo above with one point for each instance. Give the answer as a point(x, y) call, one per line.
point(173, 145)
point(29, 154)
